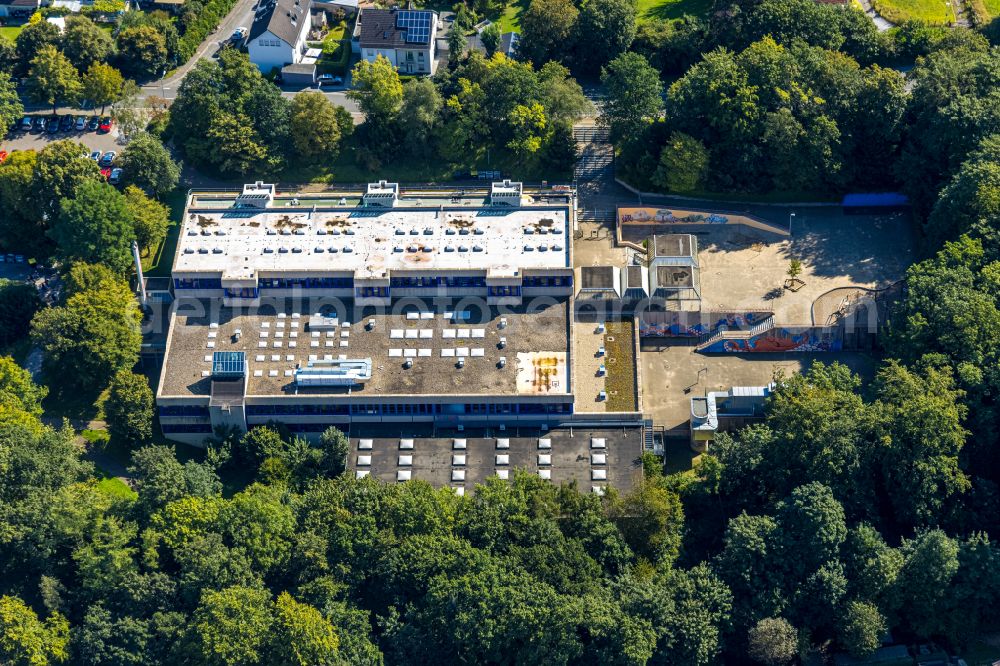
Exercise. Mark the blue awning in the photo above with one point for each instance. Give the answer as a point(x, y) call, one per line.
point(875, 200)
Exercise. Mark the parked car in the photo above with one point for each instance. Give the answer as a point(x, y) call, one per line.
point(3, 156)
point(39, 125)
point(115, 177)
point(80, 124)
point(108, 158)
point(329, 80)
point(106, 172)
point(66, 123)
point(240, 34)
point(27, 123)
point(106, 125)
point(93, 124)
point(96, 156)
point(52, 125)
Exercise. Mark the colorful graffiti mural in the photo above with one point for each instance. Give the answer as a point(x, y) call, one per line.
point(647, 215)
point(801, 339)
point(683, 324)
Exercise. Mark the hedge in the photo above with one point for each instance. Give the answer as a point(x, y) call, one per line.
point(211, 14)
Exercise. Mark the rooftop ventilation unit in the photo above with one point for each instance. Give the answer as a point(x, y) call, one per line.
point(256, 195)
point(460, 363)
point(502, 362)
point(338, 372)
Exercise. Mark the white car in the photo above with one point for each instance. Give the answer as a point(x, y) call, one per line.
point(240, 34)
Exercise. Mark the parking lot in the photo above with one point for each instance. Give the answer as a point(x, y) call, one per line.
point(20, 140)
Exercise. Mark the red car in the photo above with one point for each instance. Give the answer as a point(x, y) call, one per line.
point(3, 156)
point(106, 125)
point(106, 172)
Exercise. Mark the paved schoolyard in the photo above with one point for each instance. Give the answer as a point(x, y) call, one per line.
point(742, 269)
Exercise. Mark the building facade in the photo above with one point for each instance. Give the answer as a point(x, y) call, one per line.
point(278, 34)
point(405, 37)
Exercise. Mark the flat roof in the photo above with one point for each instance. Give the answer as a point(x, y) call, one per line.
point(370, 242)
point(674, 245)
point(275, 340)
point(573, 456)
point(597, 277)
point(674, 277)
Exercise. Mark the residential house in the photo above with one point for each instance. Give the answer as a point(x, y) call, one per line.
point(18, 8)
point(278, 34)
point(406, 37)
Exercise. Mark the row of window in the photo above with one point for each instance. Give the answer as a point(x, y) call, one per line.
point(503, 291)
point(197, 283)
point(187, 428)
point(548, 281)
point(246, 292)
point(466, 282)
point(407, 409)
point(307, 283)
point(183, 410)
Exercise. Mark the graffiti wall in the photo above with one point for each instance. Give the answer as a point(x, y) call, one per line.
point(695, 324)
point(794, 339)
point(649, 215)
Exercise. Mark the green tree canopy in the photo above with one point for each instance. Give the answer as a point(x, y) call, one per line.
point(52, 79)
point(147, 164)
point(96, 226)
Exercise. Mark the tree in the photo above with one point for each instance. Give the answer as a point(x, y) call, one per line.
point(604, 30)
point(529, 127)
point(773, 641)
point(456, 43)
point(8, 55)
point(315, 127)
point(490, 37)
point(24, 639)
point(52, 79)
point(237, 146)
point(633, 95)
point(96, 226)
point(18, 304)
point(90, 338)
point(683, 164)
point(861, 628)
point(546, 29)
point(129, 408)
point(31, 40)
point(420, 114)
point(160, 479)
point(233, 625)
point(58, 174)
point(378, 92)
point(85, 44)
point(794, 268)
point(102, 84)
point(302, 636)
point(150, 218)
point(650, 518)
point(148, 165)
point(11, 108)
point(336, 448)
point(18, 393)
point(142, 51)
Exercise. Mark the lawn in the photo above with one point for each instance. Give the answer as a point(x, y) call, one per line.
point(647, 10)
point(992, 8)
point(115, 487)
point(510, 20)
point(933, 12)
point(11, 31)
